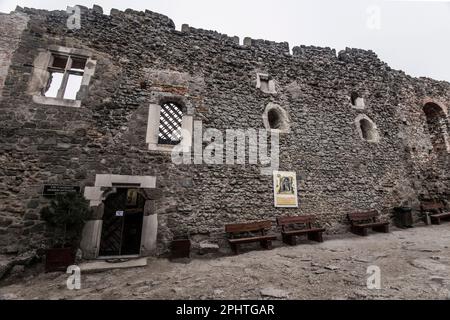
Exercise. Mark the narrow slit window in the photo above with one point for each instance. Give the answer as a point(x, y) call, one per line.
point(170, 124)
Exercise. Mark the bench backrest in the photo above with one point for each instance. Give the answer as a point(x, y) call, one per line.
point(261, 226)
point(289, 221)
point(432, 206)
point(363, 216)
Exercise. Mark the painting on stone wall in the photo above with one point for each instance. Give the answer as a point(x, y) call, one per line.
point(132, 196)
point(285, 189)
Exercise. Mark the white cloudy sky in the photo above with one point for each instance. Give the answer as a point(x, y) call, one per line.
point(413, 35)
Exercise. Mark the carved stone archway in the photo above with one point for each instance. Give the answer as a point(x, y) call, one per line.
point(106, 185)
point(437, 126)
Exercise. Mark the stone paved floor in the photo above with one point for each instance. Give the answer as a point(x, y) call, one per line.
point(415, 264)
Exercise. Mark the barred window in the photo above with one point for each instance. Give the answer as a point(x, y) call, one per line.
point(170, 124)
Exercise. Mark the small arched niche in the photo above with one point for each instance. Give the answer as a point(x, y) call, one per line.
point(437, 126)
point(367, 129)
point(276, 119)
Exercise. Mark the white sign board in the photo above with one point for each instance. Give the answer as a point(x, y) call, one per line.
point(119, 213)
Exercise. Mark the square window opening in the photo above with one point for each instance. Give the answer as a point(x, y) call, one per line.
point(66, 75)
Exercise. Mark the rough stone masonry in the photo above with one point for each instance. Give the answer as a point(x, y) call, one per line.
point(360, 135)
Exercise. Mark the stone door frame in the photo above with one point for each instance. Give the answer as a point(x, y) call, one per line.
point(105, 185)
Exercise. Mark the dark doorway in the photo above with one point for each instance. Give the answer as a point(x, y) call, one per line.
point(122, 223)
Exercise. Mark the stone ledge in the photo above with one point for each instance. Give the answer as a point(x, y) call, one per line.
point(57, 102)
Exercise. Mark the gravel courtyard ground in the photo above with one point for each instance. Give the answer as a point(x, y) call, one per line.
point(415, 264)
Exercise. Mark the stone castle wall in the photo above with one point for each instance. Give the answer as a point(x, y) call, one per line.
point(140, 54)
point(12, 26)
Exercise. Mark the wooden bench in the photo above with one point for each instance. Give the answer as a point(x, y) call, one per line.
point(292, 227)
point(361, 222)
point(436, 210)
point(248, 233)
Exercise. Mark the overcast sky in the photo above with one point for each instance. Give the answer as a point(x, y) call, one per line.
point(413, 36)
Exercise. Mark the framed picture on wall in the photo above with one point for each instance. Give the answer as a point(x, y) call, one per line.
point(132, 196)
point(285, 189)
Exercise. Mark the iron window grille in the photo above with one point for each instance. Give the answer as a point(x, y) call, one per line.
point(170, 124)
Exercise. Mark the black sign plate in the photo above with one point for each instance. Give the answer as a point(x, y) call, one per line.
point(54, 189)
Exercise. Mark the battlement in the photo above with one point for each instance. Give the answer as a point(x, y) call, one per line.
point(160, 23)
point(147, 16)
point(313, 51)
point(275, 47)
point(185, 28)
point(360, 56)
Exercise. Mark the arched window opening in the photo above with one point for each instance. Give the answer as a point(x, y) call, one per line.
point(437, 127)
point(170, 124)
point(274, 119)
point(367, 129)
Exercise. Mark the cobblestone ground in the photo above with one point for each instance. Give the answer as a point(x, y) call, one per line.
point(415, 264)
